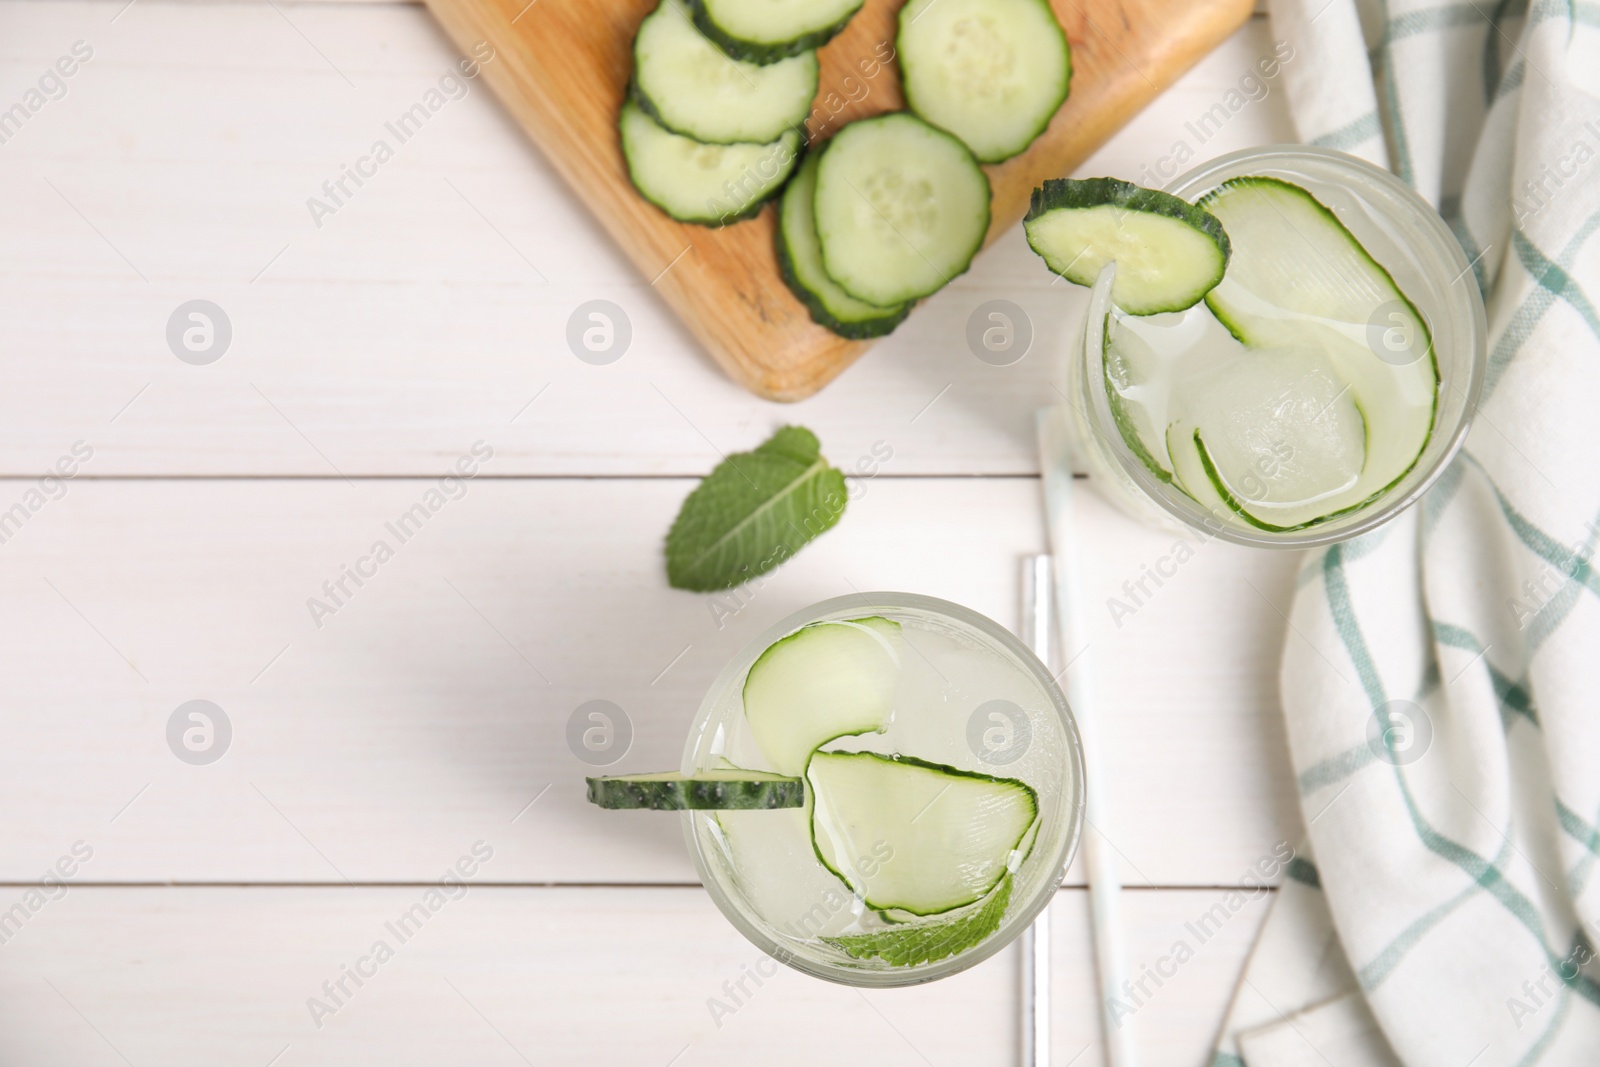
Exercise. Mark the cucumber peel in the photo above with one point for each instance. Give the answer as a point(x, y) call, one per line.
point(729, 789)
point(1169, 253)
point(766, 31)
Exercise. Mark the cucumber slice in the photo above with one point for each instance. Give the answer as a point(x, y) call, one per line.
point(1278, 436)
point(1301, 279)
point(730, 789)
point(992, 72)
point(1189, 471)
point(691, 87)
point(950, 833)
point(824, 681)
point(901, 208)
point(1127, 368)
point(708, 184)
point(1169, 253)
point(765, 31)
point(800, 263)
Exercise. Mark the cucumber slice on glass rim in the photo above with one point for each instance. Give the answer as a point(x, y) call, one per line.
point(950, 833)
point(766, 31)
point(822, 682)
point(691, 87)
point(901, 208)
point(992, 72)
point(1169, 253)
point(730, 789)
point(709, 184)
point(800, 263)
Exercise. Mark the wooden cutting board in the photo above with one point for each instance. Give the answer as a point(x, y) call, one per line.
point(562, 66)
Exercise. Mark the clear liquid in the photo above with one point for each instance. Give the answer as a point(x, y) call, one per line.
point(1286, 436)
point(948, 672)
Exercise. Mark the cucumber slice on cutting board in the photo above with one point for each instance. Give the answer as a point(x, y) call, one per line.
point(1169, 253)
point(691, 87)
point(824, 681)
point(703, 183)
point(765, 31)
point(992, 72)
point(950, 834)
point(1299, 279)
point(722, 790)
point(800, 263)
point(901, 208)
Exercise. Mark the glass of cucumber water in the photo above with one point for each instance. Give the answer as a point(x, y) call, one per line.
point(1283, 348)
point(882, 789)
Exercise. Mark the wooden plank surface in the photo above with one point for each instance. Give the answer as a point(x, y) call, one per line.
point(545, 976)
point(562, 71)
point(432, 704)
point(414, 722)
point(408, 326)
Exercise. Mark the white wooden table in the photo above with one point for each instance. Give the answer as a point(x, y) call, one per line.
point(427, 713)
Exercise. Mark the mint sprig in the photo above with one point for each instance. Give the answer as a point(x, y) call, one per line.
point(753, 512)
point(925, 942)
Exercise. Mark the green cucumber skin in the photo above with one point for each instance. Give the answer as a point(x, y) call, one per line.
point(756, 51)
point(1069, 194)
point(1074, 193)
point(696, 795)
point(1066, 83)
point(1033, 801)
point(864, 330)
point(716, 222)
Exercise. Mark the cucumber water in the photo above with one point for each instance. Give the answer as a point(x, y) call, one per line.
point(887, 784)
point(933, 760)
point(1294, 387)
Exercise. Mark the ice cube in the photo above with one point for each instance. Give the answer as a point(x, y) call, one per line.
point(1281, 428)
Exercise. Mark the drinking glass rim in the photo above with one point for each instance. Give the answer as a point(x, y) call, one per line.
point(1191, 514)
point(1016, 920)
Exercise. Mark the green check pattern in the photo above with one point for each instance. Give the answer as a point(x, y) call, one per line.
point(1441, 677)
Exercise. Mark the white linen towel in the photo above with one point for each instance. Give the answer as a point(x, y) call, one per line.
point(1447, 908)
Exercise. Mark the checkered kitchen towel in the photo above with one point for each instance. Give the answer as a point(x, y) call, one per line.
point(1447, 908)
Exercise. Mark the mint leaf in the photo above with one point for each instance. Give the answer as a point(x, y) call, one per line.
point(755, 510)
point(937, 939)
